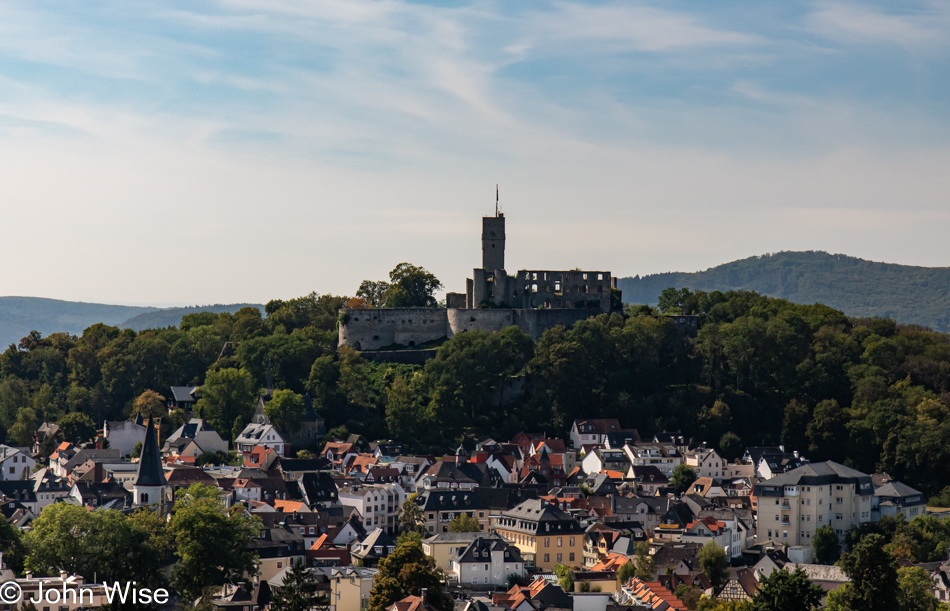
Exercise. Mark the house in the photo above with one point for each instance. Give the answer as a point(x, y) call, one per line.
point(545, 535)
point(740, 585)
point(101, 494)
point(378, 504)
point(277, 548)
point(339, 453)
point(444, 475)
point(309, 430)
point(602, 459)
point(67, 457)
point(594, 431)
point(487, 560)
point(318, 489)
point(892, 498)
point(201, 433)
point(444, 546)
point(540, 594)
point(15, 463)
point(705, 462)
point(260, 435)
point(183, 397)
point(663, 456)
point(411, 603)
point(649, 594)
point(551, 467)
point(793, 505)
point(773, 464)
point(440, 507)
point(46, 431)
point(773, 560)
point(376, 546)
point(323, 553)
point(647, 479)
point(350, 588)
point(122, 435)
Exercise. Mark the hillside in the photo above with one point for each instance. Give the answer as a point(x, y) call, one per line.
point(170, 317)
point(20, 315)
point(908, 294)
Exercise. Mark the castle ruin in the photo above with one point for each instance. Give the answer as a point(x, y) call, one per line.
point(532, 300)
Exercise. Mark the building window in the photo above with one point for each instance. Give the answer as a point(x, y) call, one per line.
point(547, 542)
point(560, 557)
point(571, 557)
point(547, 557)
point(560, 542)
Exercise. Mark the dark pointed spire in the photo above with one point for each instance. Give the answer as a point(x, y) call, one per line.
point(150, 471)
point(270, 378)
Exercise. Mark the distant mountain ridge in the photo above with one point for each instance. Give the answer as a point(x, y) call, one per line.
point(908, 294)
point(20, 315)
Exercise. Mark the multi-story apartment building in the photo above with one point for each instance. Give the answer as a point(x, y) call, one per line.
point(379, 504)
point(545, 535)
point(706, 462)
point(440, 507)
point(793, 505)
point(663, 456)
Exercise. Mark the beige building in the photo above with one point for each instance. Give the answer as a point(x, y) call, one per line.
point(793, 505)
point(544, 534)
point(350, 587)
point(444, 546)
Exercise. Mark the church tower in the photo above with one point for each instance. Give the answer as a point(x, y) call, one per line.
point(150, 483)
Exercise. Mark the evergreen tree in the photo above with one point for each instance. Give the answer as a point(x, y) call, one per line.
point(784, 591)
point(825, 545)
point(298, 591)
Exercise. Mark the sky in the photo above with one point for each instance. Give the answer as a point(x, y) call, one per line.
point(184, 152)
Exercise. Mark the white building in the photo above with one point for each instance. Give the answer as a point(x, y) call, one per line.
point(122, 435)
point(15, 463)
point(487, 561)
point(663, 456)
point(260, 435)
point(378, 504)
point(706, 463)
point(793, 505)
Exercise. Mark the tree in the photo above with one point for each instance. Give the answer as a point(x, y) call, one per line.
point(825, 544)
point(942, 499)
point(137, 450)
point(411, 287)
point(21, 433)
point(298, 592)
point(565, 577)
point(730, 446)
point(373, 292)
point(464, 524)
point(915, 591)
point(407, 571)
point(211, 541)
point(682, 478)
point(712, 561)
point(873, 574)
point(627, 571)
point(643, 561)
point(285, 410)
point(410, 516)
point(11, 546)
point(785, 591)
point(227, 395)
point(150, 403)
point(104, 544)
point(77, 427)
point(689, 595)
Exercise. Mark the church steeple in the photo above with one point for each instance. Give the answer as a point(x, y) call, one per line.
point(150, 479)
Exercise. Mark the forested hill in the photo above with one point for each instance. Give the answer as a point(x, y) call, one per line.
point(20, 315)
point(913, 295)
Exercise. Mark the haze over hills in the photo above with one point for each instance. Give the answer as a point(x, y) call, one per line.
point(20, 315)
point(908, 294)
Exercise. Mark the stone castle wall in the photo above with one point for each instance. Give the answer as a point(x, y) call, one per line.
point(374, 329)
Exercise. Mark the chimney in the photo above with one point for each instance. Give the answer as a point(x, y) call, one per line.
point(422, 595)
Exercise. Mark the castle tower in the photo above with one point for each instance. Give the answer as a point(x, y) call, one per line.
point(150, 482)
point(493, 242)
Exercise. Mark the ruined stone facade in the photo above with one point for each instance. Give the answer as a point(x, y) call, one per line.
point(532, 300)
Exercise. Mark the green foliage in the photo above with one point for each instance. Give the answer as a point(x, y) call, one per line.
point(941, 499)
point(690, 596)
point(407, 571)
point(861, 288)
point(627, 571)
point(565, 577)
point(136, 450)
point(211, 542)
point(787, 591)
point(11, 546)
point(643, 561)
point(227, 395)
point(517, 580)
point(730, 446)
point(77, 428)
point(285, 410)
point(873, 573)
point(712, 561)
point(21, 433)
point(682, 478)
point(104, 544)
point(825, 544)
point(411, 286)
point(298, 591)
point(150, 403)
point(915, 590)
point(464, 524)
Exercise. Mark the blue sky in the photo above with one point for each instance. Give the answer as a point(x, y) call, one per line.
point(242, 150)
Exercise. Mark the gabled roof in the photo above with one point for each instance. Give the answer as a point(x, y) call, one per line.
point(184, 393)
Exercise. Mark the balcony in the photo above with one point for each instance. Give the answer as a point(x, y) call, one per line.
point(785, 521)
point(786, 506)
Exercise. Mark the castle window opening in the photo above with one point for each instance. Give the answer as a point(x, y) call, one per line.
point(600, 276)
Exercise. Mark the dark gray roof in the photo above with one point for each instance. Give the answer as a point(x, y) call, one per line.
point(449, 500)
point(894, 489)
point(183, 393)
point(481, 548)
point(150, 472)
point(816, 474)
